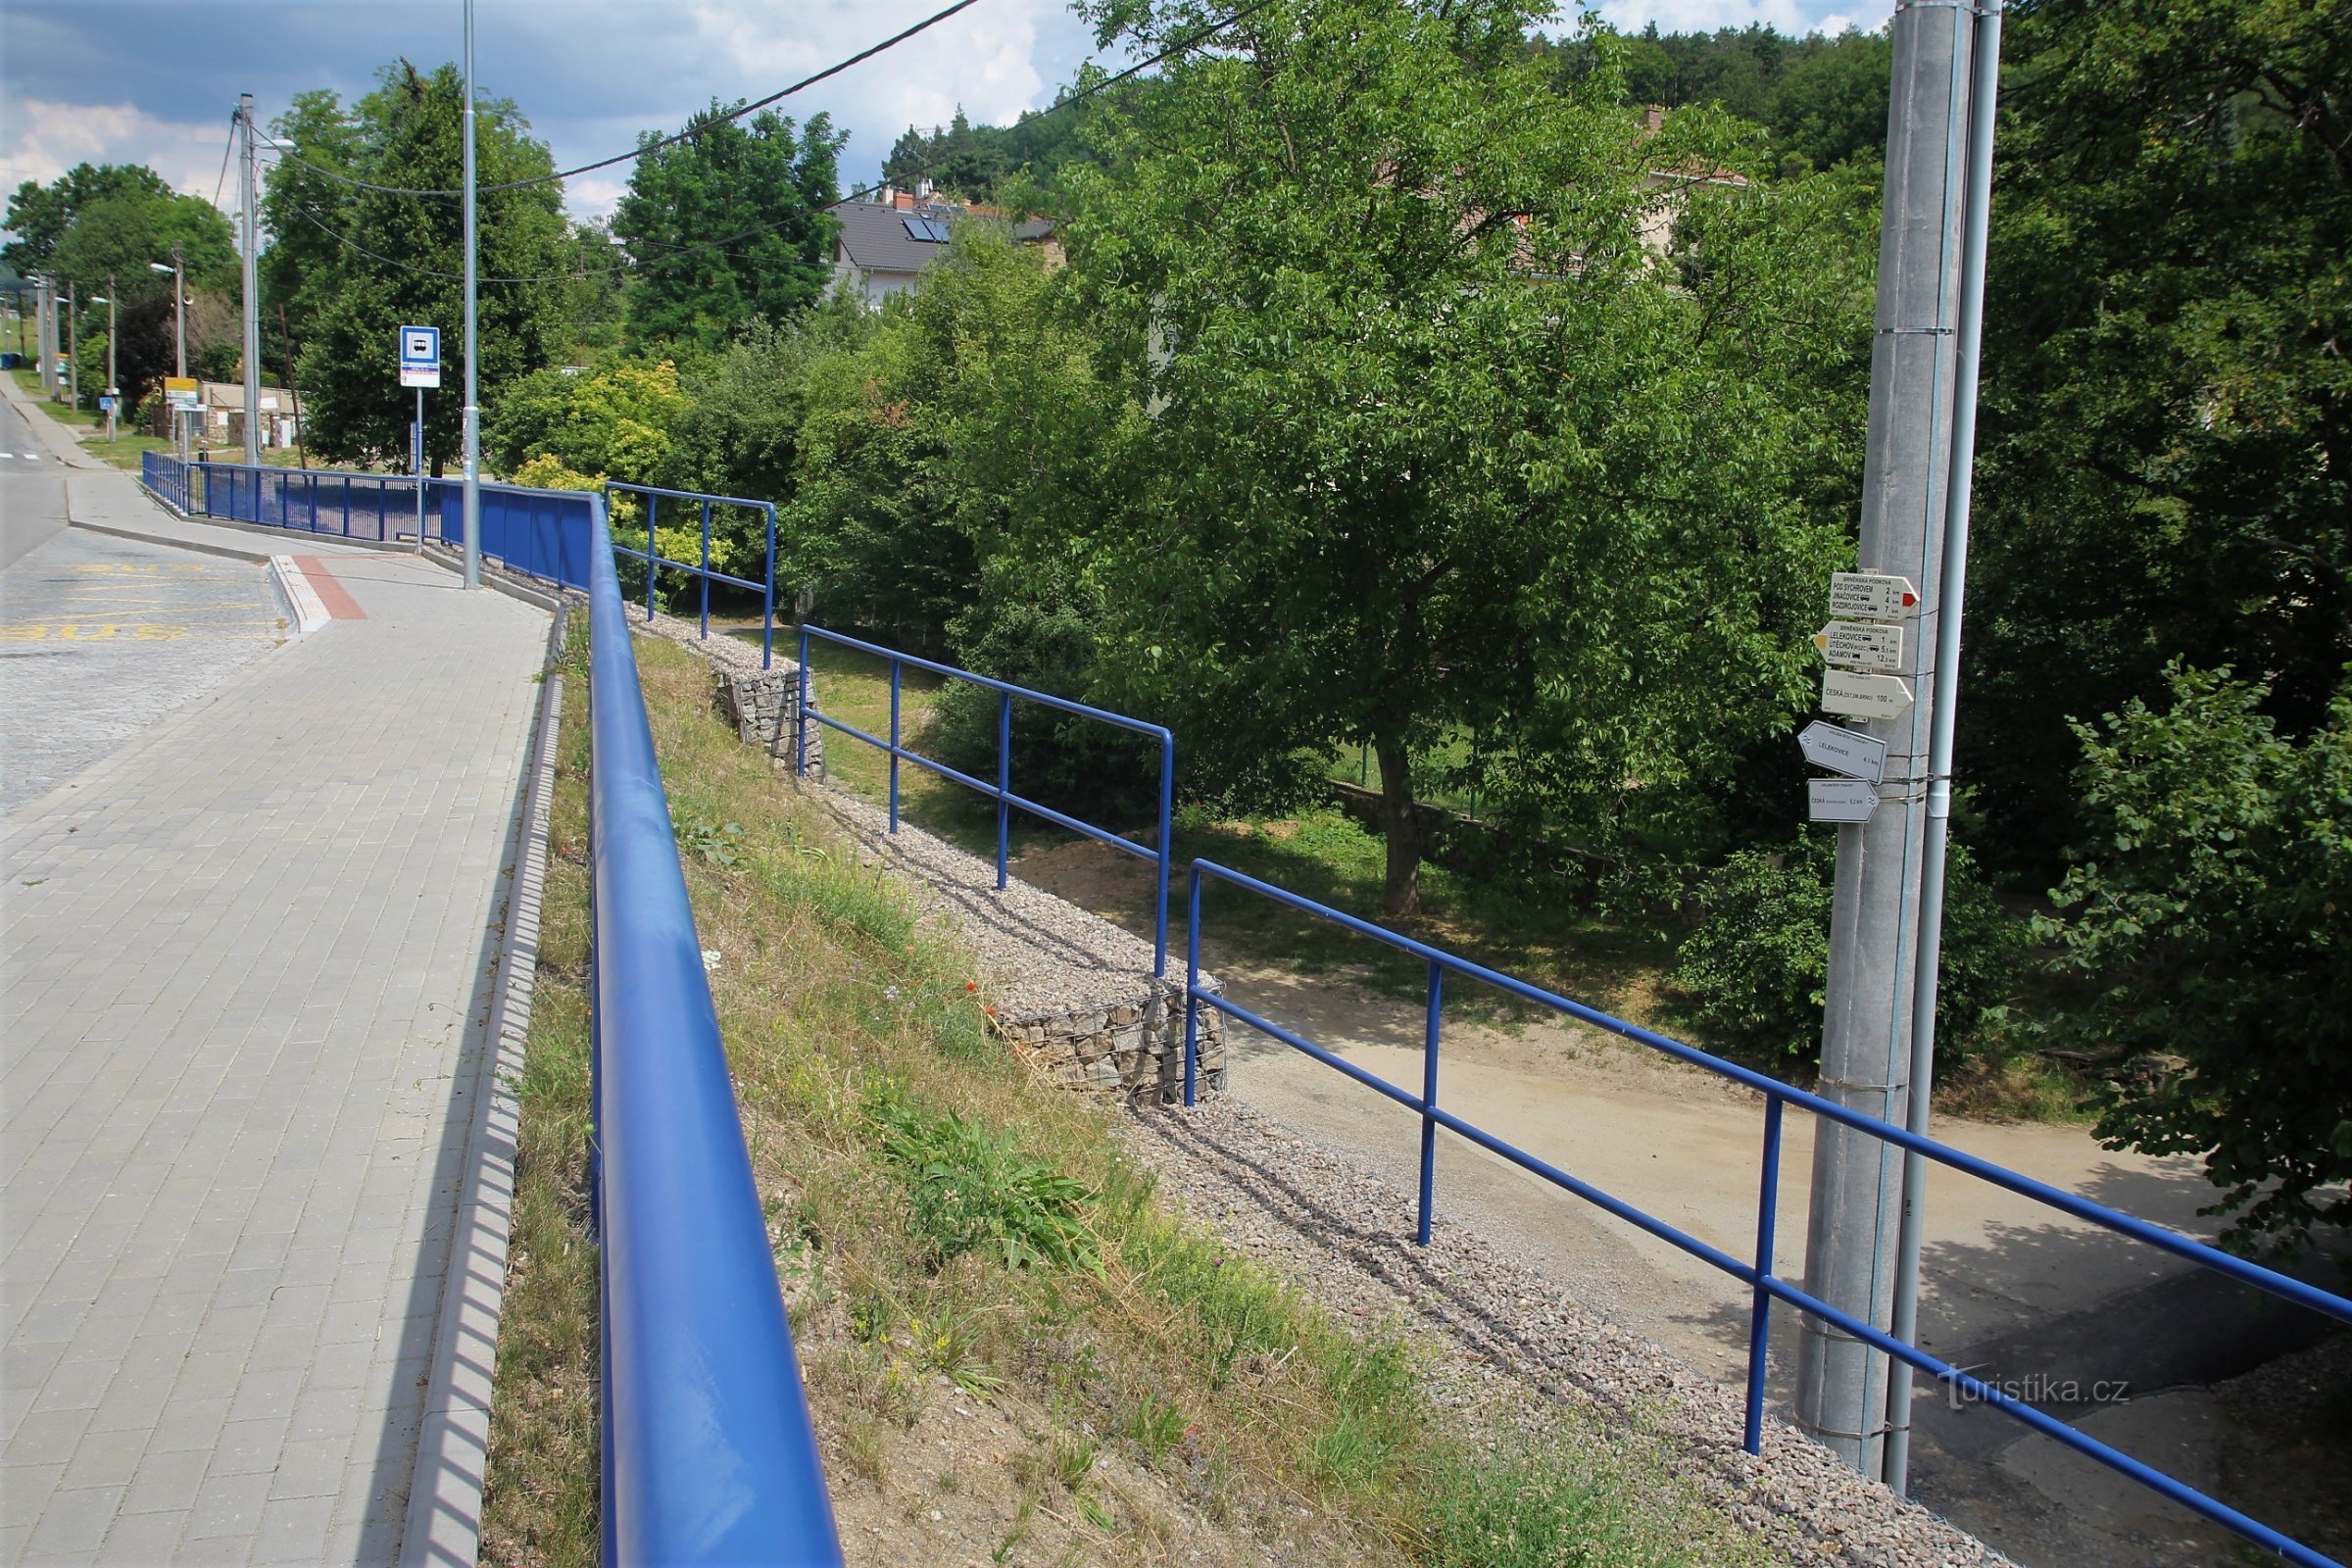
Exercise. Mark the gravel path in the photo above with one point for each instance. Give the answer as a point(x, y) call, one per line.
point(1345, 1239)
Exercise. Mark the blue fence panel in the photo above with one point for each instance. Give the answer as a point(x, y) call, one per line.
point(709, 1451)
point(1002, 790)
point(655, 562)
point(1764, 1286)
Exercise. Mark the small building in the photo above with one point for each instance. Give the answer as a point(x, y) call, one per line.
point(222, 406)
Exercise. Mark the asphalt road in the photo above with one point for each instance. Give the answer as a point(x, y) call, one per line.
point(100, 636)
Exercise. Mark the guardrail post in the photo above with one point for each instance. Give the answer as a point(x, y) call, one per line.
point(347, 508)
point(705, 572)
point(767, 597)
point(1429, 1093)
point(800, 727)
point(652, 553)
point(1003, 782)
point(895, 667)
point(1759, 1312)
point(1168, 833)
point(1192, 992)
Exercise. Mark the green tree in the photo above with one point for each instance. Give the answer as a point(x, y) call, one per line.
point(2166, 466)
point(991, 162)
point(110, 244)
point(2214, 911)
point(353, 265)
point(40, 215)
point(1438, 447)
point(728, 225)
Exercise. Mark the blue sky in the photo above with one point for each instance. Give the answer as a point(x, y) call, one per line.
point(131, 80)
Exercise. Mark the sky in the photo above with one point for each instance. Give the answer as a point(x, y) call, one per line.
point(134, 81)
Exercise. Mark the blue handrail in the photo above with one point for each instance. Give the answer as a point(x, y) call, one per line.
point(654, 560)
point(709, 1451)
point(1002, 790)
point(1764, 1286)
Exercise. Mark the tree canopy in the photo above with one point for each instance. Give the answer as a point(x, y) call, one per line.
point(729, 225)
point(353, 266)
point(40, 215)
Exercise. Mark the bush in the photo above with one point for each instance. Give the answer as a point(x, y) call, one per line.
point(1756, 968)
point(1094, 771)
point(972, 1190)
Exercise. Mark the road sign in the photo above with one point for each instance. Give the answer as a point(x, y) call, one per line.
point(180, 391)
point(1861, 644)
point(1864, 696)
point(420, 357)
point(1843, 750)
point(1870, 595)
point(1840, 799)
point(106, 405)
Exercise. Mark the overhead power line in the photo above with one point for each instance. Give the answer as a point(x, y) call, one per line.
point(1092, 90)
point(692, 130)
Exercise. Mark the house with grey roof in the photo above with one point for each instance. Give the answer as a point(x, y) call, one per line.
point(883, 245)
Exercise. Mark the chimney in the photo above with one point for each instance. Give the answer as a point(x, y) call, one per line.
point(903, 200)
point(1654, 119)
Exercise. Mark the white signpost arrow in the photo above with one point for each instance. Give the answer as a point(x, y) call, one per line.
point(1870, 595)
point(1861, 644)
point(1840, 799)
point(1842, 751)
point(1864, 696)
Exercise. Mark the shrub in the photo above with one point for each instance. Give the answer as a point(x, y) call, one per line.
point(1756, 968)
point(972, 1190)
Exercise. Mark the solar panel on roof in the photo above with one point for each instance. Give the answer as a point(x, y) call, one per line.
point(929, 230)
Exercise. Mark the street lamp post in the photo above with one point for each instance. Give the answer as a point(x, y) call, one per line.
point(114, 388)
point(72, 350)
point(179, 340)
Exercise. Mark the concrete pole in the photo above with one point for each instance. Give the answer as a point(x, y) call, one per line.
point(1851, 1242)
point(45, 333)
point(1950, 602)
point(180, 345)
point(473, 414)
point(72, 351)
point(250, 203)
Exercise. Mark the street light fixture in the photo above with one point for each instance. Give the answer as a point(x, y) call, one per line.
point(179, 337)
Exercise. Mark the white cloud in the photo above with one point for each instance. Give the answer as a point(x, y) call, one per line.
point(41, 140)
point(1793, 17)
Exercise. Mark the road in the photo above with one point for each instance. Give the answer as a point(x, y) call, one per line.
point(100, 636)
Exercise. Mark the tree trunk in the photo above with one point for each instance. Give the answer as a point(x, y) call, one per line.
point(1401, 825)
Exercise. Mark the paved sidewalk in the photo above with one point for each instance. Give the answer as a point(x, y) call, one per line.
point(240, 993)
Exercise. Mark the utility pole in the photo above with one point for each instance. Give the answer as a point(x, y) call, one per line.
point(1851, 1240)
point(45, 333)
point(249, 203)
point(473, 414)
point(1950, 601)
point(114, 387)
point(72, 350)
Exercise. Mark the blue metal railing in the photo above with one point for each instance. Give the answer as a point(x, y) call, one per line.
point(708, 1452)
point(654, 560)
point(379, 507)
point(1763, 1285)
point(1002, 790)
point(548, 534)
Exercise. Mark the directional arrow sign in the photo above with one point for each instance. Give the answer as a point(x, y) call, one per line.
point(1861, 644)
point(1864, 696)
point(1840, 799)
point(1854, 756)
point(1870, 595)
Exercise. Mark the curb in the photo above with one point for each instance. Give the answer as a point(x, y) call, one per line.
point(552, 598)
point(295, 593)
point(260, 558)
point(444, 1524)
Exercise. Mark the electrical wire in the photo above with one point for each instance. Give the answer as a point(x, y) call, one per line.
point(692, 130)
point(226, 147)
point(1092, 90)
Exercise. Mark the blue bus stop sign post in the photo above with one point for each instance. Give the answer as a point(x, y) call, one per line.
point(420, 367)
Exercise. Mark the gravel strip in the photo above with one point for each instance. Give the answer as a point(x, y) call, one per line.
point(1345, 1239)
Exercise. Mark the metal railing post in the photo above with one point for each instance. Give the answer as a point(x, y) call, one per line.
point(1192, 992)
point(1003, 783)
point(896, 667)
point(1429, 1093)
point(1759, 1312)
point(767, 597)
point(1167, 834)
point(799, 727)
point(705, 572)
point(653, 552)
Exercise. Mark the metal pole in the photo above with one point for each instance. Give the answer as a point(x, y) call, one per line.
point(417, 460)
point(1192, 992)
point(1003, 783)
point(72, 350)
point(1850, 1240)
point(895, 667)
point(179, 312)
point(113, 387)
point(250, 205)
point(474, 410)
point(1428, 1096)
point(1950, 602)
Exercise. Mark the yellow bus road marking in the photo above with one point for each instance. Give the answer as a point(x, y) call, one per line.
point(86, 631)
